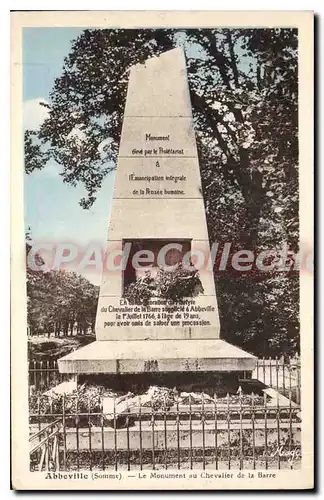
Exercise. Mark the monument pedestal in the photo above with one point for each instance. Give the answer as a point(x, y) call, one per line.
point(138, 356)
point(210, 366)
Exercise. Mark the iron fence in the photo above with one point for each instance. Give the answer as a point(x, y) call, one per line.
point(43, 375)
point(283, 376)
point(240, 432)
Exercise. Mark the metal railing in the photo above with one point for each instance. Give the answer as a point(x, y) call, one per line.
point(235, 432)
point(44, 374)
point(283, 376)
point(44, 447)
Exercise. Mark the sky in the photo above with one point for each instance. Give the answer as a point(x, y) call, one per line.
point(52, 209)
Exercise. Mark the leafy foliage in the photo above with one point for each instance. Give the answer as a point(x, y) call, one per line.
point(60, 302)
point(170, 285)
point(244, 94)
point(178, 284)
point(87, 399)
point(47, 351)
point(140, 291)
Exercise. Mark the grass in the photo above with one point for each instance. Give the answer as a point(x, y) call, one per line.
point(100, 461)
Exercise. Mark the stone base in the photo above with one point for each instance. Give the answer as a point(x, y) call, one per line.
point(140, 356)
point(210, 383)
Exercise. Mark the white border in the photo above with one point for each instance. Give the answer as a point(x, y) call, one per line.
point(195, 15)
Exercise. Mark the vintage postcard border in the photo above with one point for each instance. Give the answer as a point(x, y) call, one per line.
point(22, 478)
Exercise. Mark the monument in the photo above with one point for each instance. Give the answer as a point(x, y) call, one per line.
point(157, 215)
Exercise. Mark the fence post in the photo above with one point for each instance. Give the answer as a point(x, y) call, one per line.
point(57, 453)
point(47, 374)
point(152, 427)
point(241, 427)
point(127, 434)
point(102, 433)
point(290, 426)
point(77, 430)
point(253, 429)
point(178, 430)
point(190, 432)
point(228, 431)
point(165, 434)
point(39, 413)
point(140, 432)
point(51, 402)
point(35, 375)
point(278, 428)
point(47, 450)
point(115, 434)
point(298, 365)
point(277, 374)
point(89, 430)
point(64, 431)
point(203, 428)
point(41, 374)
point(265, 429)
point(216, 443)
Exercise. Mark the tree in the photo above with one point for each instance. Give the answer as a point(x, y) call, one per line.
point(244, 93)
point(61, 302)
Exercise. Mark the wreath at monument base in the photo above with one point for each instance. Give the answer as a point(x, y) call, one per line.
point(172, 285)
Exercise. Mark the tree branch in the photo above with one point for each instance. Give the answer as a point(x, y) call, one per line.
point(233, 60)
point(221, 60)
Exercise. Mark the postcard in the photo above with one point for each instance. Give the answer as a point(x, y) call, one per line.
point(161, 250)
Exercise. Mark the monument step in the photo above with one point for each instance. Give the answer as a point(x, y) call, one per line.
point(138, 356)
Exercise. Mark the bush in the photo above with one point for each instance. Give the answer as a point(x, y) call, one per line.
point(141, 290)
point(171, 285)
point(178, 284)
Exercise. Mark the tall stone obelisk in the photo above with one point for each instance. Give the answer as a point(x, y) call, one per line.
point(157, 201)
